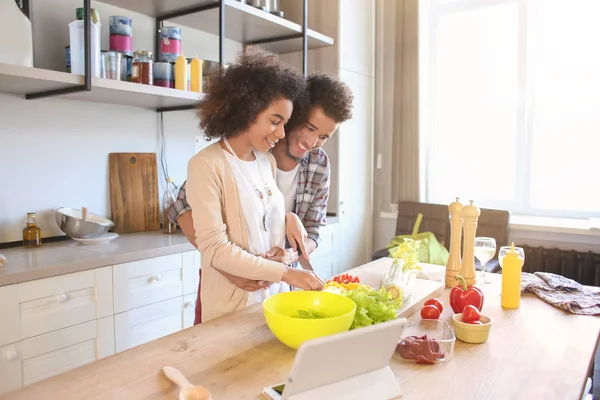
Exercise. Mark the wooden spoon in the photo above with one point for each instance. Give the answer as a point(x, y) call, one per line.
point(84, 213)
point(188, 391)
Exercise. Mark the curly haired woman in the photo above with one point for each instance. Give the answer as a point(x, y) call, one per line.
point(238, 211)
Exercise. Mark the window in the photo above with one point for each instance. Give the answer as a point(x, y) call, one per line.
point(512, 104)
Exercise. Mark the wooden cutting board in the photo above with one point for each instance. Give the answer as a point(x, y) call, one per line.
point(134, 199)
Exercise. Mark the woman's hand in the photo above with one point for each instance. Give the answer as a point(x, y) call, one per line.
point(302, 279)
point(278, 254)
point(246, 284)
point(296, 234)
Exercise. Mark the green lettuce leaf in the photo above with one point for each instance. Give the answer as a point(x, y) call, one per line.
point(373, 306)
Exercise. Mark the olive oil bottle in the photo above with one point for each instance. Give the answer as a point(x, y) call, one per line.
point(32, 234)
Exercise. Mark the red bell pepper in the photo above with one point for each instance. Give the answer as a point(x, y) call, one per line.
point(463, 295)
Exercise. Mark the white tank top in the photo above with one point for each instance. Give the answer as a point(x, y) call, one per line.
point(260, 240)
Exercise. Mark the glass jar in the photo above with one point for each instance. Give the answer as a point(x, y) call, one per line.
point(142, 68)
point(32, 234)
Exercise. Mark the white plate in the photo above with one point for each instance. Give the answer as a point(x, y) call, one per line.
point(102, 239)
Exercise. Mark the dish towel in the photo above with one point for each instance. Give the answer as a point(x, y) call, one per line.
point(562, 292)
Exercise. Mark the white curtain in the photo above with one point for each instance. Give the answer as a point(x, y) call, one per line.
point(397, 100)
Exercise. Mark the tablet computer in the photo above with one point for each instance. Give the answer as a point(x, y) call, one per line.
point(349, 365)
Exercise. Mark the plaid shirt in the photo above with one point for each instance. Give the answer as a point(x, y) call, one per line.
point(312, 193)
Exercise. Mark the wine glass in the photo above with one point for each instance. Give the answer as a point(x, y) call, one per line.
point(506, 249)
point(485, 248)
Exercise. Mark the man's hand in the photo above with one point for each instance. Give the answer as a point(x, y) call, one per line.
point(296, 234)
point(278, 254)
point(299, 278)
point(244, 283)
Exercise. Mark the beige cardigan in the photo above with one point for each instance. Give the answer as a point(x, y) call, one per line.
point(221, 234)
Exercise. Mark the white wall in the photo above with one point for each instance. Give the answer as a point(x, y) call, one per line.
point(54, 152)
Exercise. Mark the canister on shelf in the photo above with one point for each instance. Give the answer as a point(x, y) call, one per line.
point(68, 58)
point(120, 34)
point(275, 8)
point(163, 74)
point(142, 68)
point(189, 73)
point(112, 65)
point(170, 43)
point(260, 4)
point(77, 47)
point(126, 65)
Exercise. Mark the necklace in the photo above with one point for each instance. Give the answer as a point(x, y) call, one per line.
point(266, 217)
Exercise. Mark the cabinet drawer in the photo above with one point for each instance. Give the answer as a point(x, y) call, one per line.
point(46, 305)
point(9, 314)
point(191, 270)
point(189, 310)
point(43, 356)
point(147, 323)
point(144, 282)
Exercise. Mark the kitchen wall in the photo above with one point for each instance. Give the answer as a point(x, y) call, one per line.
point(54, 152)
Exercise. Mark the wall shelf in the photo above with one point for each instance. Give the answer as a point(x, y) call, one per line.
point(19, 80)
point(243, 23)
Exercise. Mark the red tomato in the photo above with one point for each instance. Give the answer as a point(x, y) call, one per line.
point(435, 302)
point(470, 314)
point(430, 312)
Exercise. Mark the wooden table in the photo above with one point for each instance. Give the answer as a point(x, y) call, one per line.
point(534, 352)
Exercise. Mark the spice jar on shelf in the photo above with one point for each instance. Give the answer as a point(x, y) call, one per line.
point(142, 68)
point(32, 234)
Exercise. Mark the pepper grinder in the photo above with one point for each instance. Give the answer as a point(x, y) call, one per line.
point(456, 225)
point(470, 215)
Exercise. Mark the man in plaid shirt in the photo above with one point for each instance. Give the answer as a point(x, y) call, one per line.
point(302, 166)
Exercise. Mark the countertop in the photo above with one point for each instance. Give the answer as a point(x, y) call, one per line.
point(235, 356)
point(70, 256)
point(534, 352)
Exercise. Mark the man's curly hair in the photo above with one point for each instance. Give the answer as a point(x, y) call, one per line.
point(238, 93)
point(329, 93)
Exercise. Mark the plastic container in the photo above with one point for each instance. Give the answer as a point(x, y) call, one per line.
point(170, 44)
point(112, 65)
point(77, 48)
point(126, 66)
point(181, 73)
point(438, 348)
point(120, 34)
point(163, 74)
point(195, 75)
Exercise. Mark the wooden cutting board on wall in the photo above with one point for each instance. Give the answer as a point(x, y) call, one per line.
point(134, 199)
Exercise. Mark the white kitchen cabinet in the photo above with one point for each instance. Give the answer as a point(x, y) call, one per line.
point(9, 315)
point(324, 258)
point(191, 271)
point(11, 368)
point(143, 324)
point(140, 283)
point(43, 356)
point(46, 305)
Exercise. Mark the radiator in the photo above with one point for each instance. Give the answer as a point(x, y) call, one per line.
point(583, 267)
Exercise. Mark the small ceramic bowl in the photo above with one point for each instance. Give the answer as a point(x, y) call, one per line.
point(472, 333)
